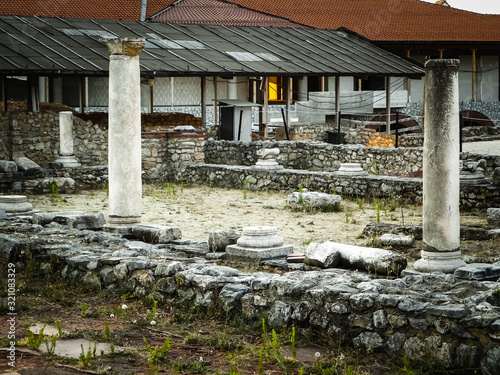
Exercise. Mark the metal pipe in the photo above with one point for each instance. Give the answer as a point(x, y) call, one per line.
point(144, 7)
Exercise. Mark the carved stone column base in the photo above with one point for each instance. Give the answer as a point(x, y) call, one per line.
point(443, 261)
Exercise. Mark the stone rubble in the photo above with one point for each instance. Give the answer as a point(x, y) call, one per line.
point(314, 200)
point(455, 319)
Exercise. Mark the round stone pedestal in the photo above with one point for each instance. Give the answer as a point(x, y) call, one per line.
point(15, 204)
point(351, 169)
point(257, 244)
point(68, 161)
point(445, 261)
point(260, 237)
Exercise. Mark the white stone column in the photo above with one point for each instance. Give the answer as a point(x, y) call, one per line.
point(441, 186)
point(66, 154)
point(124, 132)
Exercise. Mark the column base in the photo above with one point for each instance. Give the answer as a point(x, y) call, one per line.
point(445, 261)
point(68, 161)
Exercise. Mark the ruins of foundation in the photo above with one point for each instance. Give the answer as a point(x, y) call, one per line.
point(455, 316)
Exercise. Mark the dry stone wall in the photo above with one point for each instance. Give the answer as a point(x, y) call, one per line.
point(443, 320)
point(320, 156)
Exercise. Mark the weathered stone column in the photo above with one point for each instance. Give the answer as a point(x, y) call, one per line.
point(441, 187)
point(66, 153)
point(124, 133)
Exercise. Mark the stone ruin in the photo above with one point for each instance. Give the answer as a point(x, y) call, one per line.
point(448, 316)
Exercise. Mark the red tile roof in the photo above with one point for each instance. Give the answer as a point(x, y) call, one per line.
point(94, 9)
point(378, 20)
point(386, 20)
point(215, 12)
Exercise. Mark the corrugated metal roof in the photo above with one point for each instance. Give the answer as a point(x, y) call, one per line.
point(32, 45)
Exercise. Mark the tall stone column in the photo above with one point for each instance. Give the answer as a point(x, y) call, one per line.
point(124, 132)
point(441, 186)
point(66, 155)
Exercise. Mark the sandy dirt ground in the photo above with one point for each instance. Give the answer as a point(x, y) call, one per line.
point(199, 210)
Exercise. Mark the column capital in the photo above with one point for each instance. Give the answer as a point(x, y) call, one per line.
point(124, 46)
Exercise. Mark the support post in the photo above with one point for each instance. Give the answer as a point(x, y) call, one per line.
point(441, 185)
point(82, 94)
point(124, 133)
point(266, 107)
point(203, 101)
point(151, 83)
point(216, 112)
point(4, 95)
point(474, 69)
point(288, 100)
point(388, 104)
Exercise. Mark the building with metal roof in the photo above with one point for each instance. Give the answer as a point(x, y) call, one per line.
point(178, 57)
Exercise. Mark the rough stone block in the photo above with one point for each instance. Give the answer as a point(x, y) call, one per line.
point(44, 218)
point(8, 166)
point(496, 177)
point(389, 239)
point(156, 233)
point(314, 200)
point(493, 217)
point(26, 165)
point(82, 222)
point(322, 255)
point(217, 241)
point(479, 271)
point(236, 252)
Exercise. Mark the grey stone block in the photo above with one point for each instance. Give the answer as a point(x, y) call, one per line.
point(479, 271)
point(156, 233)
point(493, 217)
point(496, 177)
point(217, 241)
point(389, 239)
point(8, 166)
point(44, 218)
point(314, 200)
point(26, 165)
point(322, 255)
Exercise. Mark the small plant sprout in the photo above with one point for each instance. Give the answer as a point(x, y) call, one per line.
point(292, 339)
point(377, 207)
point(84, 310)
point(32, 342)
point(107, 331)
point(246, 183)
point(59, 328)
point(152, 314)
point(51, 344)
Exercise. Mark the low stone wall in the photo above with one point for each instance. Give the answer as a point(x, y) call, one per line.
point(320, 156)
point(407, 189)
point(441, 320)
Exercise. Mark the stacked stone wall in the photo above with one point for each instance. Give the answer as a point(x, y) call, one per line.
point(442, 320)
point(325, 157)
point(404, 189)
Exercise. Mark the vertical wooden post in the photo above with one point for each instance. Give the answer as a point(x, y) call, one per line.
point(474, 96)
point(388, 105)
point(216, 112)
point(288, 99)
point(4, 94)
point(203, 101)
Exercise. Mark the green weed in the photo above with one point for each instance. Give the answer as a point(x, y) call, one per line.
point(32, 342)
